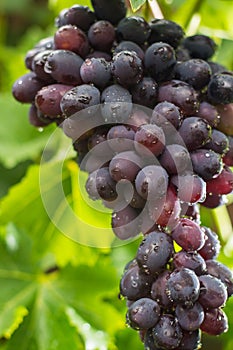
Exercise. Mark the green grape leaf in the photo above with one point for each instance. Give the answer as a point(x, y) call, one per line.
point(9, 177)
point(52, 228)
point(136, 4)
point(52, 307)
point(19, 141)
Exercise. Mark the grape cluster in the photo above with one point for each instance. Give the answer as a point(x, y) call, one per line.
point(173, 294)
point(150, 117)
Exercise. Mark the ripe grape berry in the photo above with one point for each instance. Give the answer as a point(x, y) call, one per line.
point(160, 60)
point(78, 15)
point(127, 68)
point(150, 117)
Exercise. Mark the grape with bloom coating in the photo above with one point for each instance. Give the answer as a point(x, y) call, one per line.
point(127, 68)
point(167, 333)
point(143, 314)
point(149, 140)
point(183, 287)
point(154, 252)
point(188, 235)
point(215, 322)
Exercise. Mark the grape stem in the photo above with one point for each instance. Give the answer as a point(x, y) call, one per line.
point(155, 9)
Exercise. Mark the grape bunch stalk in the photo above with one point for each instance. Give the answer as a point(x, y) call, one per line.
point(150, 117)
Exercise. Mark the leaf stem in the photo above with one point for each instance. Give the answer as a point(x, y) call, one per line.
point(155, 9)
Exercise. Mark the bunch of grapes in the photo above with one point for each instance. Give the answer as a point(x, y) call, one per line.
point(151, 118)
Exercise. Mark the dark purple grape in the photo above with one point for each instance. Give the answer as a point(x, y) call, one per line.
point(71, 38)
point(190, 318)
point(154, 252)
point(134, 283)
point(190, 340)
point(195, 72)
point(222, 272)
point(190, 188)
point(78, 15)
point(209, 113)
point(183, 287)
point(116, 104)
point(30, 56)
point(158, 290)
point(90, 186)
point(34, 118)
point(216, 67)
point(133, 198)
point(147, 225)
point(119, 203)
point(38, 64)
point(91, 163)
point(101, 35)
point(181, 94)
point(219, 142)
point(129, 46)
point(211, 248)
point(145, 92)
point(182, 54)
point(133, 28)
point(96, 71)
point(225, 118)
point(81, 148)
point(100, 184)
point(220, 88)
point(151, 182)
point(213, 201)
point(206, 163)
point(223, 184)
point(64, 66)
point(112, 11)
point(125, 223)
point(26, 87)
point(166, 213)
point(98, 143)
point(143, 314)
point(195, 132)
point(149, 140)
point(45, 43)
point(137, 118)
point(191, 212)
point(160, 60)
point(79, 98)
point(125, 166)
point(200, 46)
point(79, 127)
point(228, 157)
point(215, 322)
point(167, 332)
point(100, 54)
point(148, 341)
point(175, 159)
point(188, 235)
point(121, 138)
point(190, 260)
point(48, 99)
point(165, 31)
point(167, 116)
point(127, 68)
point(213, 292)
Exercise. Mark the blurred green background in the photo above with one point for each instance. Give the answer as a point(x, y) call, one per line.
point(76, 306)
